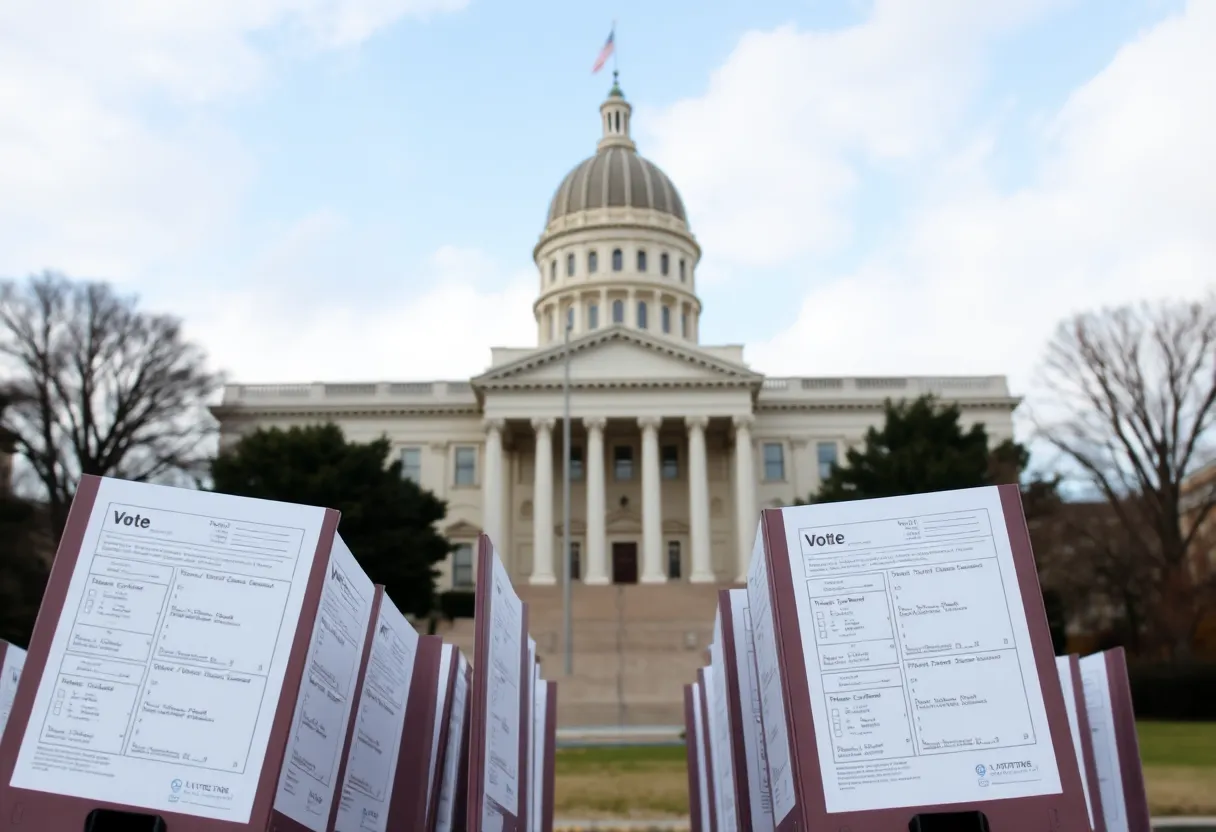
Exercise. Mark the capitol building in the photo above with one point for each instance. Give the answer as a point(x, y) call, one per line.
point(676, 444)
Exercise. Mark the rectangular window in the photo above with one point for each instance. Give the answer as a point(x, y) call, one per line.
point(593, 316)
point(576, 562)
point(622, 463)
point(462, 566)
point(774, 462)
point(670, 457)
point(576, 464)
point(411, 464)
point(673, 560)
point(466, 465)
point(826, 452)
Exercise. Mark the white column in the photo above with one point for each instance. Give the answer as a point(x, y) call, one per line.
point(698, 501)
point(747, 519)
point(596, 571)
point(652, 504)
point(491, 487)
point(542, 504)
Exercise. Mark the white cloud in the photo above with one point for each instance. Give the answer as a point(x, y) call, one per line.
point(766, 158)
point(1120, 203)
point(443, 333)
point(93, 182)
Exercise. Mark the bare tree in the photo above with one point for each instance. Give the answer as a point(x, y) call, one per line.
point(100, 387)
point(1133, 404)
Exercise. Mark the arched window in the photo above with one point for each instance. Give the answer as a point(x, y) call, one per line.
point(641, 260)
point(618, 311)
point(593, 316)
point(684, 324)
point(641, 314)
point(681, 269)
point(569, 265)
point(666, 316)
point(570, 318)
point(553, 271)
point(593, 262)
point(664, 264)
point(618, 260)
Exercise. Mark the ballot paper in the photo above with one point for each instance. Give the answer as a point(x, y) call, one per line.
point(451, 757)
point(503, 667)
point(10, 675)
point(371, 765)
point(720, 731)
point(761, 807)
point(702, 753)
point(441, 696)
point(1064, 668)
point(922, 678)
point(772, 705)
point(308, 781)
point(169, 654)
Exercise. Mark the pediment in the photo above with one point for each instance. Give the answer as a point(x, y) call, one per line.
point(619, 357)
point(623, 522)
point(461, 528)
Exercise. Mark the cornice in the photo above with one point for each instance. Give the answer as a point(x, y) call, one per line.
point(731, 374)
point(356, 411)
point(1010, 404)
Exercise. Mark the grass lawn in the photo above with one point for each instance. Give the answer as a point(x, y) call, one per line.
point(651, 781)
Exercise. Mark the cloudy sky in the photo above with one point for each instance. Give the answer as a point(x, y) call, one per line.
point(351, 189)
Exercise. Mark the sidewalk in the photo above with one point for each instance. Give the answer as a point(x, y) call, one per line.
point(681, 825)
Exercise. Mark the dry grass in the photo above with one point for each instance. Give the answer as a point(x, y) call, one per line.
point(651, 782)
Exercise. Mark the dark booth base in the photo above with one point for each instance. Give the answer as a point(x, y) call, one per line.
point(111, 820)
point(949, 822)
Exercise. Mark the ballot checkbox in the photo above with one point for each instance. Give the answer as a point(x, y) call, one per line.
point(823, 633)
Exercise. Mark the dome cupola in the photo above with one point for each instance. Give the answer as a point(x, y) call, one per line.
point(617, 249)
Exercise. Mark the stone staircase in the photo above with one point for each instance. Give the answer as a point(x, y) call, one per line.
point(635, 647)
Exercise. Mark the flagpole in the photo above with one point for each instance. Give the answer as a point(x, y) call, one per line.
point(615, 49)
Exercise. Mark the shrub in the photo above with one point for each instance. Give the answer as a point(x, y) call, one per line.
point(456, 603)
point(1178, 692)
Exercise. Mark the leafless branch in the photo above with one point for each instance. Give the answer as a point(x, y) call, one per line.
point(100, 387)
point(1132, 403)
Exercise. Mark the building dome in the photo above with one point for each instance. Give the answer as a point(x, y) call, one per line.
point(616, 177)
point(617, 250)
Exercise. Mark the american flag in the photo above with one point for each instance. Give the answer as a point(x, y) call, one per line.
point(605, 53)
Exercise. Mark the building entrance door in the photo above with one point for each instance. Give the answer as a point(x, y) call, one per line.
point(624, 563)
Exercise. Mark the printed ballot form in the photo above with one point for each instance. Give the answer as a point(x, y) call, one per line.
point(12, 661)
point(720, 731)
point(1115, 746)
point(452, 758)
point(760, 803)
point(537, 778)
point(1064, 669)
point(704, 775)
point(918, 655)
point(169, 655)
point(498, 742)
point(693, 761)
point(503, 681)
point(923, 682)
point(371, 764)
point(308, 782)
point(782, 796)
point(441, 700)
